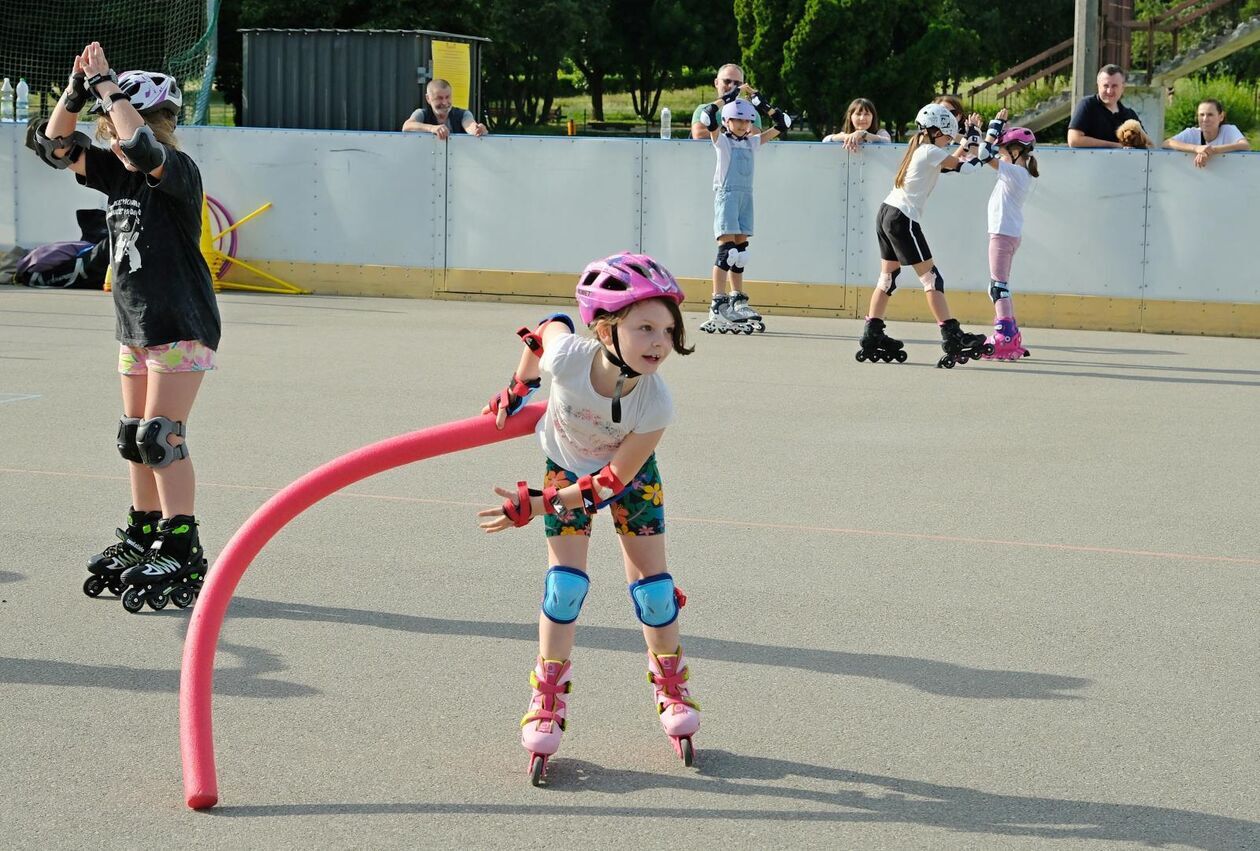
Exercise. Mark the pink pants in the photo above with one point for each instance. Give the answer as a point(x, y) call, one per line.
point(1001, 253)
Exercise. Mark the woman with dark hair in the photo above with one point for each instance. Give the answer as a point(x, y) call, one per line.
point(861, 124)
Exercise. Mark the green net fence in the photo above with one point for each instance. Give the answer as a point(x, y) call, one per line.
point(39, 40)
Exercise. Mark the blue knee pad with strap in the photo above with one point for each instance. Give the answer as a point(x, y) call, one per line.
point(654, 602)
point(564, 590)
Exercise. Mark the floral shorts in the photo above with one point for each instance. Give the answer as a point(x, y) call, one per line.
point(184, 356)
point(638, 511)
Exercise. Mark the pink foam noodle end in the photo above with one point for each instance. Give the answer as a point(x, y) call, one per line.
point(197, 673)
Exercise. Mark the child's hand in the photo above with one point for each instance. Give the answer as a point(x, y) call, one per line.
point(94, 61)
point(499, 419)
point(1003, 114)
point(495, 518)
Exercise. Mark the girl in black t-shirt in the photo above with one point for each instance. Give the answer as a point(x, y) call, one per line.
point(167, 320)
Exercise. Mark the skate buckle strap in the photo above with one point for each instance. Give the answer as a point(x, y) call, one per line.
point(549, 690)
point(669, 687)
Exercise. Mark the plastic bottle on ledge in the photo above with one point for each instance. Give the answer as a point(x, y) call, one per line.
point(665, 122)
point(23, 100)
point(6, 100)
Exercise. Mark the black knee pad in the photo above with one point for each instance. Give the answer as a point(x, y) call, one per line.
point(154, 449)
point(998, 291)
point(723, 260)
point(737, 265)
point(127, 448)
point(932, 279)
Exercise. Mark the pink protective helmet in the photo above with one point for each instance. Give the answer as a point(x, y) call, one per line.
point(621, 280)
point(1020, 135)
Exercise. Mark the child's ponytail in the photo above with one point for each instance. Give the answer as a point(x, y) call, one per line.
point(1032, 166)
point(900, 180)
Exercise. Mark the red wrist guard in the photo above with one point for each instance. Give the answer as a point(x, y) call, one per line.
point(600, 489)
point(549, 495)
point(521, 511)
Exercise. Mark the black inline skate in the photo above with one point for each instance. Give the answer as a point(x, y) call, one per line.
point(107, 566)
point(959, 346)
point(877, 346)
point(171, 571)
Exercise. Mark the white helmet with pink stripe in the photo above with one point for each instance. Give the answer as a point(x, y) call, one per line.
point(148, 91)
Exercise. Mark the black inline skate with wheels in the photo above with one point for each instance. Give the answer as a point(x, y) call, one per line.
point(172, 570)
point(106, 567)
point(959, 346)
point(878, 346)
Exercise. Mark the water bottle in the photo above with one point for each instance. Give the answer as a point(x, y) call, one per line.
point(6, 100)
point(665, 129)
point(23, 100)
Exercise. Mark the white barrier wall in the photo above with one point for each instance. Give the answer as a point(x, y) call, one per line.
point(1120, 224)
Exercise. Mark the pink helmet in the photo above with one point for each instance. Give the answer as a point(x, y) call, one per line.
point(1020, 135)
point(621, 280)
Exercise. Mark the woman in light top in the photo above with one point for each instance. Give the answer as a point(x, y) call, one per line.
point(1211, 137)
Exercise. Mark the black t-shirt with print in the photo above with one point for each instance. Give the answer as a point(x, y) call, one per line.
point(1092, 118)
point(162, 287)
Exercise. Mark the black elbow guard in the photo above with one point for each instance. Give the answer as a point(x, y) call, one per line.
point(708, 117)
point(781, 121)
point(46, 148)
point(143, 149)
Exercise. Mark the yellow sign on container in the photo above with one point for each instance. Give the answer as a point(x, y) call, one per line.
point(453, 63)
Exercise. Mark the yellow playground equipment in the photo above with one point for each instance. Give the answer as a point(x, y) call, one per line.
point(219, 260)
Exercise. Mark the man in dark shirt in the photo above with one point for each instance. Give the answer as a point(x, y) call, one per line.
point(1095, 119)
point(438, 117)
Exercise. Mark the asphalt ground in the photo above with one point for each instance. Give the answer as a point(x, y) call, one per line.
point(1003, 606)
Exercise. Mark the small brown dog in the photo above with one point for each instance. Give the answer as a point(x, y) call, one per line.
point(1131, 135)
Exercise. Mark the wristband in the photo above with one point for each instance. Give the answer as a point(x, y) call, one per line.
point(96, 79)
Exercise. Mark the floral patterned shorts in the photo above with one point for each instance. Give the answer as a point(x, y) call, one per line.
point(184, 356)
point(638, 511)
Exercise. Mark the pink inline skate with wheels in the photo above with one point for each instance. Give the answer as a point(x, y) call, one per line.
point(1007, 341)
point(680, 714)
point(544, 723)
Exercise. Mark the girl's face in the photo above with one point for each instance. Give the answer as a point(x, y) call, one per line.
point(112, 135)
point(645, 336)
point(940, 140)
point(861, 118)
point(1209, 119)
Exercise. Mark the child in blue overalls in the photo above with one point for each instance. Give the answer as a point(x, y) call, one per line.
point(735, 144)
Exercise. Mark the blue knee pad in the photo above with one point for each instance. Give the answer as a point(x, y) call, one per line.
point(564, 590)
point(654, 601)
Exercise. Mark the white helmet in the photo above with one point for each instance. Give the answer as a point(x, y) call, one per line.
point(741, 109)
point(938, 116)
point(148, 91)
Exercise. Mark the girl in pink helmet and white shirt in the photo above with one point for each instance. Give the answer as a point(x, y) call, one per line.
point(607, 412)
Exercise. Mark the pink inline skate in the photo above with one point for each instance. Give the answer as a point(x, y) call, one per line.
point(1007, 341)
point(680, 715)
point(544, 723)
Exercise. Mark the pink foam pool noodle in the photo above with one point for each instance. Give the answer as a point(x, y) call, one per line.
point(196, 732)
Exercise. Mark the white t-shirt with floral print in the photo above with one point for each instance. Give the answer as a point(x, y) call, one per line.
point(578, 431)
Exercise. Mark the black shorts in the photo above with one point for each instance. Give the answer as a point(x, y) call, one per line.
point(900, 238)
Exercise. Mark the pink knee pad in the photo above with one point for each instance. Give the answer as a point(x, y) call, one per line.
point(887, 281)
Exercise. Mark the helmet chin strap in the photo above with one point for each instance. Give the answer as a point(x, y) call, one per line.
point(626, 372)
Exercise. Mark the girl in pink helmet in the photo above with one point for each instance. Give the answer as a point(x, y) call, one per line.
point(167, 319)
point(607, 411)
point(1016, 167)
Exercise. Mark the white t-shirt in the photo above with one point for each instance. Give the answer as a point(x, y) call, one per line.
point(578, 431)
point(921, 177)
point(1006, 204)
point(723, 143)
point(1194, 136)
